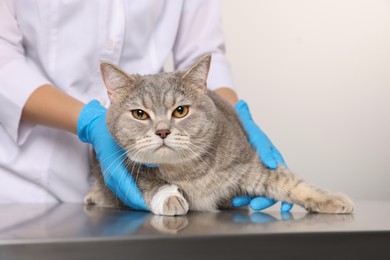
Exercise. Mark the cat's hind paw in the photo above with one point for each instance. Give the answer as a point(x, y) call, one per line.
point(168, 201)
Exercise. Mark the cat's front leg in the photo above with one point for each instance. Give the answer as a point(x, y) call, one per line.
point(167, 200)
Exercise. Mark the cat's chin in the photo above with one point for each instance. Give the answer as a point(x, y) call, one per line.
point(162, 155)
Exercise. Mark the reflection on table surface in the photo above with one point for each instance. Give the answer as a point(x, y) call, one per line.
point(20, 222)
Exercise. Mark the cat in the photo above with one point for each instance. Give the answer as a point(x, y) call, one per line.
point(199, 145)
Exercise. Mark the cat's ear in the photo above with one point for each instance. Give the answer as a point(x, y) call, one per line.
point(114, 78)
point(197, 74)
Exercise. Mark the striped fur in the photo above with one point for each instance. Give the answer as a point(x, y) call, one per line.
point(210, 159)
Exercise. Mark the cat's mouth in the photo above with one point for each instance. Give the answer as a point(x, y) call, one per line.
point(163, 146)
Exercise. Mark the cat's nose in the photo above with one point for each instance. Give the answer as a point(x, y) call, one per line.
point(163, 133)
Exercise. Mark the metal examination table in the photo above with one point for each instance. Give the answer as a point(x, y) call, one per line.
point(72, 231)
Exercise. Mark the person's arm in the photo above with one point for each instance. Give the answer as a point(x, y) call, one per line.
point(27, 98)
point(228, 94)
point(51, 107)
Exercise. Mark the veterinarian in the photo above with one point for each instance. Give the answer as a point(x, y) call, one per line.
point(49, 72)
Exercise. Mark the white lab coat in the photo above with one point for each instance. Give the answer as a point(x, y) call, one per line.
point(62, 42)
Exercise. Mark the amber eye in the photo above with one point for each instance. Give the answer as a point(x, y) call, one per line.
point(180, 111)
point(140, 114)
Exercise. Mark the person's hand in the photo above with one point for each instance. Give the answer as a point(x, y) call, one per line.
point(92, 128)
point(268, 154)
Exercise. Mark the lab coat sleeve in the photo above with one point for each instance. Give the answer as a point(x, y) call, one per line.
point(200, 32)
point(18, 79)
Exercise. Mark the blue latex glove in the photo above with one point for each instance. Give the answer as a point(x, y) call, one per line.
point(92, 128)
point(268, 154)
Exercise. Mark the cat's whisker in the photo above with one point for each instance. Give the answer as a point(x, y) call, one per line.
point(197, 158)
point(121, 157)
point(190, 163)
point(139, 150)
point(199, 154)
point(106, 159)
point(123, 173)
point(132, 169)
point(127, 165)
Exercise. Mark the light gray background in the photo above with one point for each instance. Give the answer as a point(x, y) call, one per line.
point(316, 75)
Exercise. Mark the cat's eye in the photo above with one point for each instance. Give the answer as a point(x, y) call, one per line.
point(180, 111)
point(140, 114)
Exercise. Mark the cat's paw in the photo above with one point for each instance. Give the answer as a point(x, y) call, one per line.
point(101, 199)
point(91, 198)
point(175, 206)
point(336, 204)
point(168, 201)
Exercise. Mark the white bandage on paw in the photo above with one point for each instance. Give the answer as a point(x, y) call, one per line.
point(166, 191)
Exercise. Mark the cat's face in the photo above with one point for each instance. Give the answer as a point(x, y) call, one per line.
point(163, 118)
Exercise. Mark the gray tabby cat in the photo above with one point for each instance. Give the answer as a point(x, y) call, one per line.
point(202, 151)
